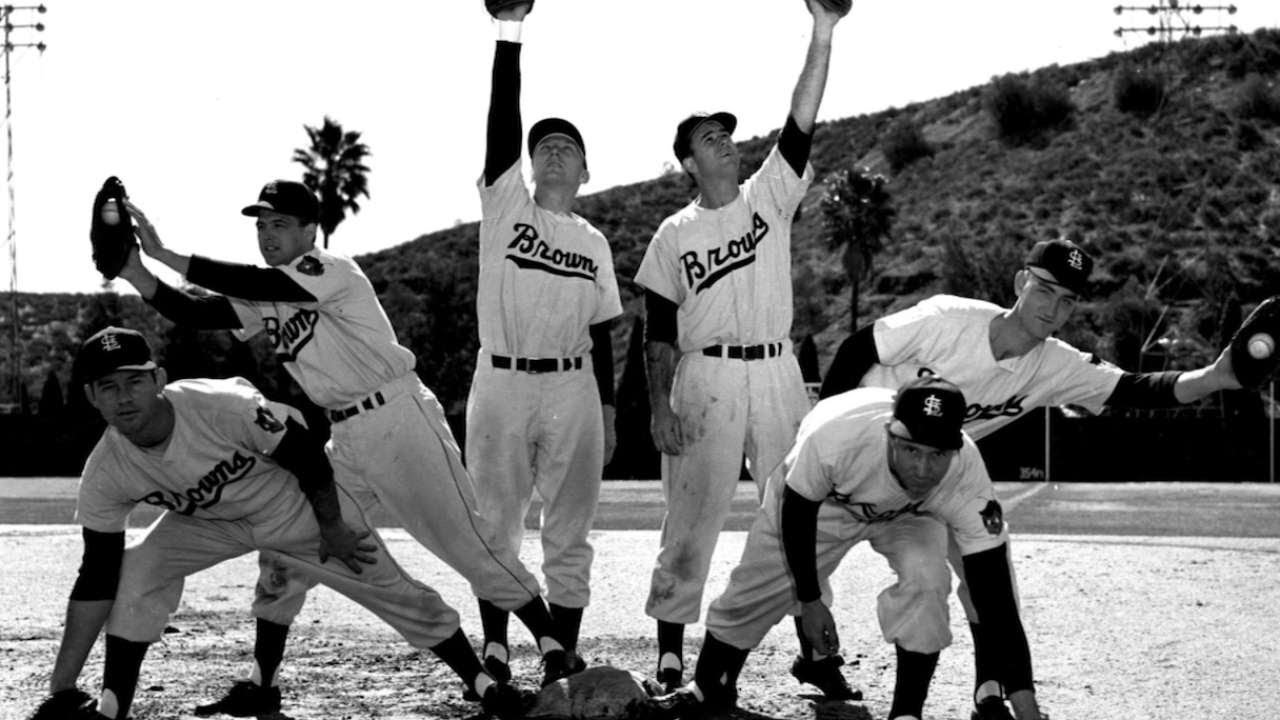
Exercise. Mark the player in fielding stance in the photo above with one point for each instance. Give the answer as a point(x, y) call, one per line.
point(234, 473)
point(1007, 362)
point(893, 469)
point(540, 412)
point(723, 380)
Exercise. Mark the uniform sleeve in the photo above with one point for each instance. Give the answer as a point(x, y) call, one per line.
point(907, 336)
point(777, 184)
point(1077, 378)
point(972, 510)
point(658, 269)
point(327, 278)
point(506, 195)
point(806, 471)
point(256, 423)
point(101, 505)
point(251, 317)
point(608, 302)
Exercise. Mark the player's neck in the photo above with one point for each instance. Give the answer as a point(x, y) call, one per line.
point(555, 199)
point(714, 193)
point(155, 435)
point(1009, 338)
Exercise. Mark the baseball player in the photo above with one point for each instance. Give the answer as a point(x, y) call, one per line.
point(1007, 362)
point(723, 380)
point(540, 413)
point(234, 473)
point(895, 469)
point(390, 444)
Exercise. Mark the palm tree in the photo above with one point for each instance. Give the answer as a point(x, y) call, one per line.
point(858, 216)
point(335, 171)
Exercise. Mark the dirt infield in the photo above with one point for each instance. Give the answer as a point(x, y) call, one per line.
point(1122, 625)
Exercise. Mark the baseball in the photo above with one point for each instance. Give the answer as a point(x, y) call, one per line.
point(110, 213)
point(1261, 345)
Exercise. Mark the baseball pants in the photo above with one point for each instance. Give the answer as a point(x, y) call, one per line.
point(912, 612)
point(540, 431)
point(727, 408)
point(403, 458)
point(155, 567)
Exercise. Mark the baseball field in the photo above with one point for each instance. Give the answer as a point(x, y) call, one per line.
point(1140, 600)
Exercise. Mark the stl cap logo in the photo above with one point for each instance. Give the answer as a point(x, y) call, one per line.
point(1075, 259)
point(270, 188)
point(933, 406)
point(110, 343)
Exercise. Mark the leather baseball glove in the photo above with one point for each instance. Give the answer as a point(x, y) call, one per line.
point(64, 705)
point(112, 230)
point(1254, 371)
point(496, 6)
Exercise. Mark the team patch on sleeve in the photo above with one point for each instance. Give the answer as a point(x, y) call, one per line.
point(267, 421)
point(309, 265)
point(992, 518)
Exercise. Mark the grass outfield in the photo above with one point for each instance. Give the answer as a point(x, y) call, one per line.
point(1172, 509)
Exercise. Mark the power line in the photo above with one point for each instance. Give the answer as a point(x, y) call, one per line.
point(1171, 21)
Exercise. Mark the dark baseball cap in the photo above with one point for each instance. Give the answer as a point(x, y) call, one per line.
point(932, 412)
point(288, 197)
point(1067, 264)
point(111, 349)
point(684, 131)
point(547, 127)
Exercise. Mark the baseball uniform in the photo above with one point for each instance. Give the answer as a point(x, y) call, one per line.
point(533, 414)
point(737, 388)
point(224, 496)
point(839, 458)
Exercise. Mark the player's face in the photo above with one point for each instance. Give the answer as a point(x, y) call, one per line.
point(918, 467)
point(558, 159)
point(283, 238)
point(129, 400)
point(1043, 307)
point(713, 151)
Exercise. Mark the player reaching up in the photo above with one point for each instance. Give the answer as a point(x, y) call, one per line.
point(540, 413)
point(723, 380)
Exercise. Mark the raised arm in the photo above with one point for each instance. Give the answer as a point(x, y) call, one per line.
point(813, 78)
point(502, 145)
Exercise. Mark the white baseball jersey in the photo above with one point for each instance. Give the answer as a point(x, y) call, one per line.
point(215, 465)
point(339, 348)
point(948, 336)
point(545, 277)
point(729, 269)
point(840, 457)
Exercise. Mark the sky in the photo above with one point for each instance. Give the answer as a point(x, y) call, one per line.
point(196, 105)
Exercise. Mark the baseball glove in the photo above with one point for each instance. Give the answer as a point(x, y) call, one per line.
point(496, 6)
point(112, 231)
point(839, 7)
point(1254, 372)
point(64, 704)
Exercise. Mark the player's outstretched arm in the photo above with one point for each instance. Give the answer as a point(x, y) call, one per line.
point(807, 96)
point(502, 143)
point(89, 605)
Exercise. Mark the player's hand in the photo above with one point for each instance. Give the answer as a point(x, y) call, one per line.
point(819, 627)
point(146, 232)
point(1025, 706)
point(339, 541)
point(515, 12)
point(610, 432)
point(829, 12)
point(1222, 371)
point(665, 428)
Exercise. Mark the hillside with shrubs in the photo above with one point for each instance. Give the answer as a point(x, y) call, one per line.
point(1164, 162)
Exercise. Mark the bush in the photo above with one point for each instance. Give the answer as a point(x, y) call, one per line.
point(903, 144)
point(1025, 112)
point(1257, 100)
point(1137, 93)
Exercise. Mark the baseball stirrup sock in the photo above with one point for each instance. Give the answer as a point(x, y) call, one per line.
point(268, 652)
point(568, 622)
point(986, 663)
point(671, 639)
point(456, 652)
point(719, 664)
point(537, 618)
point(121, 665)
point(494, 621)
point(915, 672)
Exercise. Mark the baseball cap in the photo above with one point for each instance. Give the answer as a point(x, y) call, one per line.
point(288, 197)
point(547, 127)
point(1067, 264)
point(111, 349)
point(684, 131)
point(932, 412)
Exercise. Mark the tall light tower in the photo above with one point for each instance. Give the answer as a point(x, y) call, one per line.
point(1170, 17)
point(8, 14)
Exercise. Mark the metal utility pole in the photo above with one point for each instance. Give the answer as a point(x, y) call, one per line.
point(1171, 20)
point(7, 16)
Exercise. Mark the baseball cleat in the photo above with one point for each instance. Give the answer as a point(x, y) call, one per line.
point(681, 703)
point(244, 699)
point(560, 664)
point(991, 707)
point(503, 701)
point(825, 675)
point(671, 679)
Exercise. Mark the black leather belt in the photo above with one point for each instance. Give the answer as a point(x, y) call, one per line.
point(373, 401)
point(744, 352)
point(537, 365)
